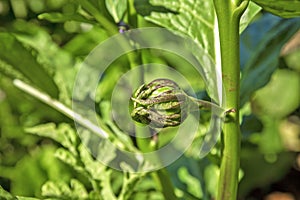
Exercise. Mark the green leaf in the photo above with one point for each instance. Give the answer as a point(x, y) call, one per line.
point(55, 189)
point(269, 139)
point(60, 17)
point(278, 99)
point(268, 173)
point(211, 175)
point(96, 9)
point(54, 59)
point(248, 15)
point(82, 44)
point(5, 195)
point(263, 62)
point(116, 8)
point(195, 19)
point(282, 8)
point(26, 198)
point(67, 157)
point(292, 60)
point(60, 189)
point(78, 189)
point(93, 167)
point(17, 56)
point(39, 166)
point(193, 184)
point(63, 134)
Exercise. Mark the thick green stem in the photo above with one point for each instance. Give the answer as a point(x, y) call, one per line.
point(228, 14)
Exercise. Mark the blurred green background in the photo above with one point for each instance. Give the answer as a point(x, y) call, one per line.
point(47, 49)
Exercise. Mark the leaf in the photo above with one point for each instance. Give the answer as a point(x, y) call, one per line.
point(270, 142)
point(212, 183)
point(282, 8)
point(261, 65)
point(78, 189)
point(267, 174)
point(82, 44)
point(278, 99)
point(130, 180)
point(193, 184)
point(63, 134)
point(106, 188)
point(54, 59)
point(292, 60)
point(250, 124)
point(5, 195)
point(56, 17)
point(26, 198)
point(195, 19)
point(248, 15)
point(67, 157)
point(29, 174)
point(55, 189)
point(17, 56)
point(116, 8)
point(96, 169)
point(60, 189)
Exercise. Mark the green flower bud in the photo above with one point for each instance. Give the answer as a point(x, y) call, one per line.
point(161, 103)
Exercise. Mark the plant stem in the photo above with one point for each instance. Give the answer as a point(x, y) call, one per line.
point(162, 178)
point(102, 20)
point(144, 139)
point(228, 14)
point(100, 129)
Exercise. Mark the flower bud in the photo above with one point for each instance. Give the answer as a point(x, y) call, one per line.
point(161, 103)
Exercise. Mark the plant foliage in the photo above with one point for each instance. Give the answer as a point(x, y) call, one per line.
point(44, 44)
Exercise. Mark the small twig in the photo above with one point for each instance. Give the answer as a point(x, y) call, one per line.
point(60, 107)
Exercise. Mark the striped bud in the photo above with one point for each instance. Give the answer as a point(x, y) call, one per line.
point(161, 103)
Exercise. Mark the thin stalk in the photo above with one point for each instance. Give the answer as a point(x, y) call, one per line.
point(101, 131)
point(228, 14)
point(143, 138)
point(163, 180)
point(132, 15)
point(102, 20)
point(60, 107)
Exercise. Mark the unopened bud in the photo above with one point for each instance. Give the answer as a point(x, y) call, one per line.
point(161, 103)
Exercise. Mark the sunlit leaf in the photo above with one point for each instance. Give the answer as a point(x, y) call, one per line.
point(248, 15)
point(116, 8)
point(5, 195)
point(59, 189)
point(195, 19)
point(63, 134)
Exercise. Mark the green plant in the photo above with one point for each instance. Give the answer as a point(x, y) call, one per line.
point(42, 48)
